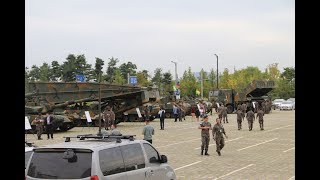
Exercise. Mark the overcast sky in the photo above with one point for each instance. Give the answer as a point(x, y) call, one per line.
point(152, 33)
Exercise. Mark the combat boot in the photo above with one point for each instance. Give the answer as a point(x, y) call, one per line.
point(201, 151)
point(218, 152)
point(206, 153)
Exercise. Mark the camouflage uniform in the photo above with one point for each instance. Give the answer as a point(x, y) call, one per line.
point(250, 118)
point(38, 121)
point(225, 115)
point(239, 118)
point(147, 113)
point(220, 111)
point(260, 114)
point(109, 118)
point(244, 110)
point(205, 137)
point(217, 134)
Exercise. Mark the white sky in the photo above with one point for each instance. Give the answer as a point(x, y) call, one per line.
point(153, 33)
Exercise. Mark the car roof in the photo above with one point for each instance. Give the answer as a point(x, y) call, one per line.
point(89, 144)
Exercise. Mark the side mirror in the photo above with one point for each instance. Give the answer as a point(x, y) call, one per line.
point(164, 159)
point(153, 160)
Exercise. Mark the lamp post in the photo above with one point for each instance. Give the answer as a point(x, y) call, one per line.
point(99, 131)
point(175, 69)
point(217, 71)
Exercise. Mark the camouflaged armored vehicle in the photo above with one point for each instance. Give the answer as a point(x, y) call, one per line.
point(254, 92)
point(72, 99)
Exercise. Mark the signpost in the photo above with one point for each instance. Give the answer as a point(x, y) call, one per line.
point(80, 78)
point(133, 80)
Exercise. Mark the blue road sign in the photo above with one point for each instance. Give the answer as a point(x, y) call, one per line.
point(133, 79)
point(80, 78)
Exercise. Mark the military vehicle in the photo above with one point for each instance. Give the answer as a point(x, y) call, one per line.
point(72, 99)
point(254, 92)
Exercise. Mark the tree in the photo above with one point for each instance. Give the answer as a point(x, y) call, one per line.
point(68, 69)
point(126, 68)
point(188, 84)
point(157, 79)
point(34, 73)
point(118, 78)
point(167, 82)
point(82, 67)
point(56, 71)
point(142, 77)
point(98, 69)
point(44, 72)
point(212, 79)
point(109, 77)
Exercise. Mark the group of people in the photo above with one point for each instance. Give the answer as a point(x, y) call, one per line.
point(44, 124)
point(241, 114)
point(217, 134)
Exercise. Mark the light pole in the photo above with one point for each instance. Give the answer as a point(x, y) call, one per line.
point(175, 69)
point(217, 71)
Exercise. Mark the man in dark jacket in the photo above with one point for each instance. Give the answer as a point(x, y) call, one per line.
point(48, 120)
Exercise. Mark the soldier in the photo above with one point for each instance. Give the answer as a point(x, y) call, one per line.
point(108, 117)
point(244, 110)
point(260, 114)
point(239, 118)
point(217, 134)
point(38, 121)
point(220, 111)
point(264, 107)
point(225, 115)
point(147, 112)
point(205, 136)
point(250, 118)
point(239, 107)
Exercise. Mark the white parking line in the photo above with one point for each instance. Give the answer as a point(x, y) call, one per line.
point(234, 171)
point(257, 144)
point(178, 143)
point(291, 178)
point(277, 128)
point(225, 141)
point(288, 149)
point(188, 165)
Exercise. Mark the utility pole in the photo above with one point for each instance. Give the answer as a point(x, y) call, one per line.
point(99, 132)
point(201, 75)
point(217, 71)
point(175, 70)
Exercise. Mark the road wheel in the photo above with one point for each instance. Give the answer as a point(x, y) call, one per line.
point(167, 115)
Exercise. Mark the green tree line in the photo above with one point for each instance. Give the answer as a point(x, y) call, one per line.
point(189, 84)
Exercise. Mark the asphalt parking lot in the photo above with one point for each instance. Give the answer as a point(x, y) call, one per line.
point(255, 154)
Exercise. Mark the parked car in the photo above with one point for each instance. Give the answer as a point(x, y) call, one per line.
point(293, 101)
point(286, 105)
point(99, 157)
point(276, 103)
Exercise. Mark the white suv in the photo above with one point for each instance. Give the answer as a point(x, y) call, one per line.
point(99, 157)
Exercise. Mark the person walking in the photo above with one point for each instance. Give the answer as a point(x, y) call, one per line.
point(148, 131)
point(161, 116)
point(175, 112)
point(108, 117)
point(48, 125)
point(225, 115)
point(250, 118)
point(239, 118)
point(205, 126)
point(38, 121)
point(217, 134)
point(260, 114)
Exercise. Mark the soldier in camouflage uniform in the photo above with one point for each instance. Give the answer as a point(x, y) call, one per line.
point(38, 121)
point(217, 134)
point(108, 117)
point(260, 114)
point(205, 126)
point(225, 115)
point(250, 118)
point(244, 110)
point(220, 111)
point(239, 118)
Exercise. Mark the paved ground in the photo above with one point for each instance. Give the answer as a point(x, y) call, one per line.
point(255, 154)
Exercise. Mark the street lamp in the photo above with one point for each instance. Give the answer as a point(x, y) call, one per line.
point(175, 69)
point(217, 71)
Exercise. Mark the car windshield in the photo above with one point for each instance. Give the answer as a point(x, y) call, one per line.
point(52, 165)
